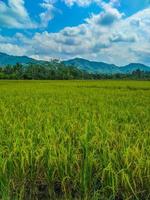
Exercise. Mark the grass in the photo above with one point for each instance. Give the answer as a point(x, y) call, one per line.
point(74, 140)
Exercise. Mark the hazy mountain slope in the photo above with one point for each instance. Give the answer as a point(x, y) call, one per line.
point(134, 66)
point(100, 67)
point(6, 59)
point(93, 67)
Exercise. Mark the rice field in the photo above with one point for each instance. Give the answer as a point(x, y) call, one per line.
point(68, 140)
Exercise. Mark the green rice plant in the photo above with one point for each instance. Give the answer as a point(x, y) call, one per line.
point(74, 140)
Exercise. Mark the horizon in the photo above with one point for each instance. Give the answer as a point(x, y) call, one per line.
point(109, 31)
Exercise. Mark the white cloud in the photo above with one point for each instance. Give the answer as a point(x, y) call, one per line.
point(78, 2)
point(12, 49)
point(48, 14)
point(122, 37)
point(84, 3)
point(106, 18)
point(15, 15)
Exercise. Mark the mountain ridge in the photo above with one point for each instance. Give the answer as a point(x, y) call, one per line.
point(102, 67)
point(6, 59)
point(80, 63)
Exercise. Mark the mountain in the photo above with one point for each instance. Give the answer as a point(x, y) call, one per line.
point(92, 66)
point(104, 68)
point(82, 64)
point(133, 67)
point(6, 59)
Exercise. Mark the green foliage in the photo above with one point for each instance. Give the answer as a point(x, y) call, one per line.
point(58, 71)
point(74, 140)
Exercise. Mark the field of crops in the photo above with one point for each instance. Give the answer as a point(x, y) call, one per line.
point(74, 140)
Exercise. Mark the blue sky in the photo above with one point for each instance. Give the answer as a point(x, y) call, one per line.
point(113, 31)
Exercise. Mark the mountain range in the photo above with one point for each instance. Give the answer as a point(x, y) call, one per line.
point(104, 68)
point(82, 64)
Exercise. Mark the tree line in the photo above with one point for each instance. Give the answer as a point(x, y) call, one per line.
point(58, 71)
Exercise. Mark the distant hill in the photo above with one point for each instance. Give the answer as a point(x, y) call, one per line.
point(133, 67)
point(101, 67)
point(92, 66)
point(6, 59)
point(82, 64)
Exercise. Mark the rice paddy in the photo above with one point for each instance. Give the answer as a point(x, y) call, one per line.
point(74, 140)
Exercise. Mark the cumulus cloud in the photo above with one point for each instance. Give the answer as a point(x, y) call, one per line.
point(109, 16)
point(142, 55)
point(12, 49)
point(49, 10)
point(122, 37)
point(84, 3)
point(78, 2)
point(14, 15)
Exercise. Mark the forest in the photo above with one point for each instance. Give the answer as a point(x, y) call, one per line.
point(58, 71)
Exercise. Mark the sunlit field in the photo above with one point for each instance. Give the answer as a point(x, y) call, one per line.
point(74, 140)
